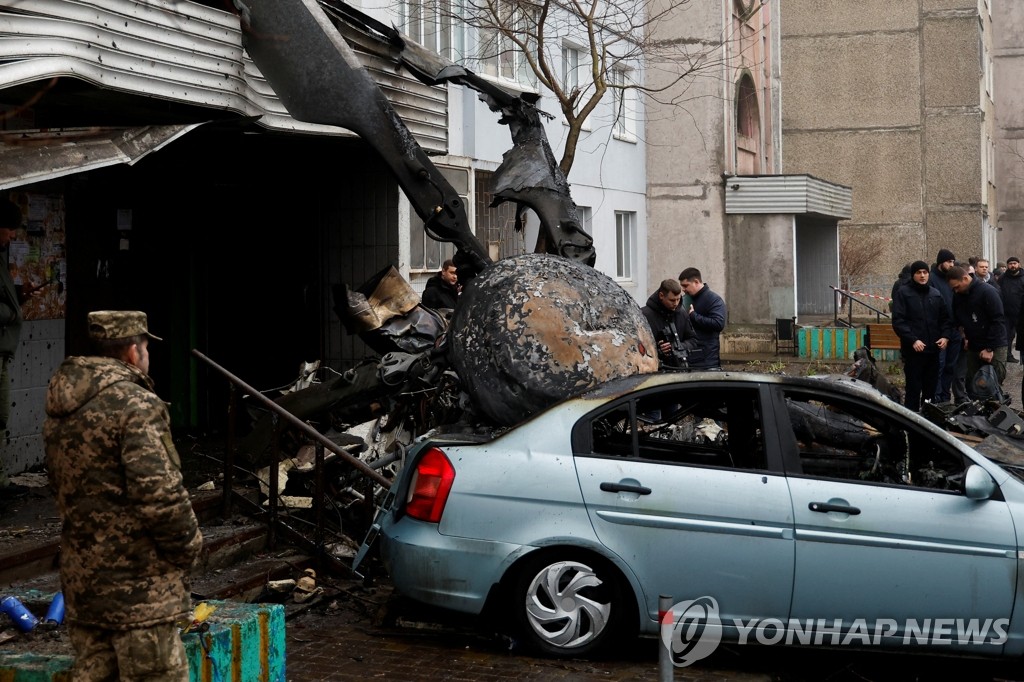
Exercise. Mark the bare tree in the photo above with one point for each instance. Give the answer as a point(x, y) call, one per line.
point(617, 40)
point(858, 255)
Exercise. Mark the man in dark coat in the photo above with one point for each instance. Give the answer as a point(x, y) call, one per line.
point(903, 278)
point(442, 290)
point(707, 313)
point(921, 320)
point(1011, 286)
point(978, 310)
point(949, 357)
point(129, 535)
point(671, 326)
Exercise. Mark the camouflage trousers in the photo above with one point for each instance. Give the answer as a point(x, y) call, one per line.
point(153, 654)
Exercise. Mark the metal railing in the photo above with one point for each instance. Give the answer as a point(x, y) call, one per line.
point(282, 416)
point(841, 298)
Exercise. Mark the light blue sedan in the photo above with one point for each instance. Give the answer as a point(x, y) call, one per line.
point(802, 510)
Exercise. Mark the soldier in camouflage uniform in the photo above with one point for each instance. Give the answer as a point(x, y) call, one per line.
point(129, 534)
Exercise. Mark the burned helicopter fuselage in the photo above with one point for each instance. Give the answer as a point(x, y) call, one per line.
point(315, 72)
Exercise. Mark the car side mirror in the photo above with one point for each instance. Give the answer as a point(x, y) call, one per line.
point(978, 484)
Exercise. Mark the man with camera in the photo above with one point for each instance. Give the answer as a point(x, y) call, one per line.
point(671, 326)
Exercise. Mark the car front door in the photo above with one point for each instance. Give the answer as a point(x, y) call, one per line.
point(886, 541)
point(677, 483)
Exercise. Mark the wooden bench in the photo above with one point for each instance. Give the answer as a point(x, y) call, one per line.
point(881, 336)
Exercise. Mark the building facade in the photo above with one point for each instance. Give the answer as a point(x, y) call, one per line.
point(1008, 60)
point(894, 102)
point(895, 99)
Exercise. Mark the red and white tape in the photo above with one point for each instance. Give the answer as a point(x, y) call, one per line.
point(861, 293)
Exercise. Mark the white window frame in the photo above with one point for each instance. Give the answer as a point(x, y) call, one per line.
point(500, 58)
point(586, 215)
point(574, 60)
point(625, 244)
point(436, 25)
point(623, 107)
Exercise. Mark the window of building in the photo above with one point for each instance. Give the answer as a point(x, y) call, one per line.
point(436, 25)
point(574, 62)
point(426, 253)
point(625, 243)
point(586, 215)
point(748, 128)
point(623, 101)
point(499, 55)
point(495, 227)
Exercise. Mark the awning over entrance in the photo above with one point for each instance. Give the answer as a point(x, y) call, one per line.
point(36, 155)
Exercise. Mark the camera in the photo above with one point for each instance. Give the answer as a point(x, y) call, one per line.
point(679, 355)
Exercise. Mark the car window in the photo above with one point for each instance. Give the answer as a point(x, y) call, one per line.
point(840, 439)
point(702, 426)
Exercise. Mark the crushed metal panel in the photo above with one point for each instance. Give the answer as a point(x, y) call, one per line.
point(34, 156)
point(182, 52)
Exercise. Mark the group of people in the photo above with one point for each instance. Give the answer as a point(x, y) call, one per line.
point(687, 319)
point(954, 328)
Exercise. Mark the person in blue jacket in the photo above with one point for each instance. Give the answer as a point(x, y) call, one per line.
point(707, 313)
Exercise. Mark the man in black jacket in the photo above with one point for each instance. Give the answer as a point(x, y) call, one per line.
point(671, 326)
point(978, 310)
point(921, 320)
point(1011, 286)
point(442, 290)
point(949, 377)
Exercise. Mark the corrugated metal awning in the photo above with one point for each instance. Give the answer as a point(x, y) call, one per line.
point(184, 52)
point(788, 194)
point(37, 155)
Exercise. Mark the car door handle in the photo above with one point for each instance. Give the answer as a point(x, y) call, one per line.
point(825, 507)
point(625, 488)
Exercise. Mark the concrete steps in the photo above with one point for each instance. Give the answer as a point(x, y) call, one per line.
point(243, 638)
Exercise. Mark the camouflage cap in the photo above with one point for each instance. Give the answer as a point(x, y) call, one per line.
point(118, 324)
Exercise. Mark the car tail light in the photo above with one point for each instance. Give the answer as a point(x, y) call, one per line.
point(431, 483)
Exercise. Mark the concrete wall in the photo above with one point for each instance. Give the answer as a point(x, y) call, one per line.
point(1008, 59)
point(40, 351)
point(763, 247)
point(690, 146)
point(884, 97)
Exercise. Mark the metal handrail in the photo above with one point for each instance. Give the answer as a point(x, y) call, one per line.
point(321, 442)
point(837, 305)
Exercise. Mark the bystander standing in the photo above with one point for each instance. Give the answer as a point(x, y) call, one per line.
point(129, 535)
point(707, 313)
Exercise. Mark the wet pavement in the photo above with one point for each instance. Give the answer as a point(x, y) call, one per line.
point(356, 634)
point(360, 630)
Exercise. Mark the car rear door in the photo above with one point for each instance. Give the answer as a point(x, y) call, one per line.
point(883, 531)
point(677, 482)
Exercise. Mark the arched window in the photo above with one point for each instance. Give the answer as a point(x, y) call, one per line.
point(748, 128)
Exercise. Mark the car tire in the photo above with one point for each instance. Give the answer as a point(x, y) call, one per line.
point(571, 605)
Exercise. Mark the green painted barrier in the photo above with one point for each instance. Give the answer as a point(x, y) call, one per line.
point(241, 643)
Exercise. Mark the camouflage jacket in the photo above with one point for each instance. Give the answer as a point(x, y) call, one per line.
point(129, 534)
